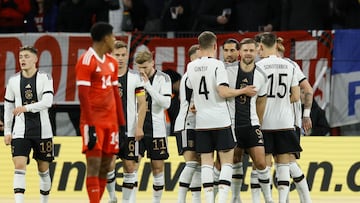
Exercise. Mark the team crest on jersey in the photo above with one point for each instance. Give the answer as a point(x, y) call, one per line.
point(28, 94)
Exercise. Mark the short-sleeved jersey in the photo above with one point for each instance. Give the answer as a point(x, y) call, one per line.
point(279, 112)
point(204, 76)
point(130, 86)
point(185, 119)
point(297, 105)
point(100, 74)
point(243, 108)
point(158, 96)
point(36, 94)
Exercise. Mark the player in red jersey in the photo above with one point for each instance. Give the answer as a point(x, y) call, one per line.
point(101, 107)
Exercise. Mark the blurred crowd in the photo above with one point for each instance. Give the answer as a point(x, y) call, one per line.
point(17, 16)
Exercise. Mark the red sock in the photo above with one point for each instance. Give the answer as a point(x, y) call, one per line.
point(93, 189)
point(102, 183)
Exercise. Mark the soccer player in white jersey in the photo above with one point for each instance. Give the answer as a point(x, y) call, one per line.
point(190, 177)
point(278, 121)
point(247, 113)
point(208, 79)
point(158, 96)
point(301, 121)
point(29, 95)
point(134, 104)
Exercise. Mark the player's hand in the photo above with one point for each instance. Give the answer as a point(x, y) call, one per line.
point(249, 90)
point(19, 110)
point(144, 76)
point(307, 124)
point(7, 139)
point(92, 137)
point(192, 109)
point(139, 134)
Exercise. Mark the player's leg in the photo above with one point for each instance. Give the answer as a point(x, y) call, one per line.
point(20, 155)
point(157, 153)
point(217, 169)
point(195, 185)
point(283, 174)
point(106, 160)
point(257, 154)
point(225, 144)
point(43, 154)
point(110, 185)
point(237, 176)
point(130, 167)
point(300, 181)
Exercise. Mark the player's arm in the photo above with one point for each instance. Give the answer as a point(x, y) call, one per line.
point(226, 92)
point(162, 98)
point(9, 106)
point(47, 97)
point(260, 107)
point(142, 108)
point(295, 94)
point(308, 99)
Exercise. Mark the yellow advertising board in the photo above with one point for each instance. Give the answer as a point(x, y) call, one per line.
point(331, 165)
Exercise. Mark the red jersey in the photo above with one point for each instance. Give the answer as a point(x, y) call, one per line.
point(98, 103)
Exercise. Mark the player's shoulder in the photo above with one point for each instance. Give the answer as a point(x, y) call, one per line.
point(44, 74)
point(14, 77)
point(161, 74)
point(260, 71)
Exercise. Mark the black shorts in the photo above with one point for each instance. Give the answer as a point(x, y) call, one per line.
point(248, 137)
point(298, 135)
point(281, 142)
point(214, 139)
point(185, 141)
point(129, 148)
point(42, 148)
point(156, 148)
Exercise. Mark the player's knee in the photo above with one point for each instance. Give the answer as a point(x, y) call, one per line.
point(260, 165)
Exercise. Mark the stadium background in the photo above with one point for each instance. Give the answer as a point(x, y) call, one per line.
point(329, 59)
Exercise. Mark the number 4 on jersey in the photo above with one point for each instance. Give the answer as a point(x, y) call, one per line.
point(202, 88)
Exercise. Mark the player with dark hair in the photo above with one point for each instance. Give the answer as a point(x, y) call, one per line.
point(101, 108)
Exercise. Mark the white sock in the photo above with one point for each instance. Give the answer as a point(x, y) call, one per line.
point(185, 179)
point(255, 187)
point(216, 180)
point(158, 187)
point(300, 183)
point(237, 179)
point(225, 181)
point(45, 186)
point(283, 174)
point(264, 181)
point(207, 180)
point(19, 185)
point(110, 186)
point(128, 186)
point(133, 194)
point(195, 185)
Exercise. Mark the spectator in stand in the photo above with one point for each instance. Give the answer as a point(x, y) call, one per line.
point(137, 11)
point(74, 16)
point(215, 15)
point(176, 17)
point(42, 17)
point(12, 14)
point(258, 15)
point(306, 15)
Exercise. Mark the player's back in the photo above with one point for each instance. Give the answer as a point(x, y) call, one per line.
point(205, 75)
point(281, 77)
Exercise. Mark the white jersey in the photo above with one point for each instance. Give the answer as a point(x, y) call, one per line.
point(131, 85)
point(36, 94)
point(243, 108)
point(297, 105)
point(205, 75)
point(158, 96)
point(185, 119)
point(279, 111)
